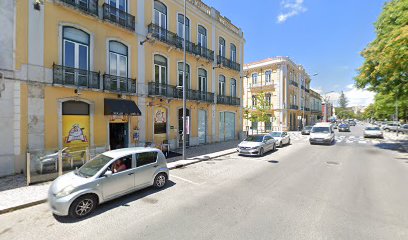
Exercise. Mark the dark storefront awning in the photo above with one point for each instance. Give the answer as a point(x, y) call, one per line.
point(121, 107)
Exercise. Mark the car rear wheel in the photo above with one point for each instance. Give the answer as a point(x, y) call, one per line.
point(280, 144)
point(83, 206)
point(160, 180)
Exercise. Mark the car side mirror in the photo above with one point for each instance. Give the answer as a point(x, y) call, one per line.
point(108, 173)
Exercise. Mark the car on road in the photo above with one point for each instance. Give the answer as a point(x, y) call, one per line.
point(322, 133)
point(373, 131)
point(352, 122)
point(306, 130)
point(404, 129)
point(282, 138)
point(257, 145)
point(390, 127)
point(105, 177)
point(344, 127)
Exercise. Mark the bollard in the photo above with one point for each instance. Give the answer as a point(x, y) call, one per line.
point(28, 170)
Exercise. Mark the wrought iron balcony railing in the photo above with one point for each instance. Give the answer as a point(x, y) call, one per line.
point(294, 83)
point(119, 84)
point(118, 16)
point(228, 63)
point(228, 100)
point(302, 87)
point(75, 77)
point(173, 39)
point(87, 6)
point(170, 91)
point(294, 107)
point(307, 90)
point(307, 109)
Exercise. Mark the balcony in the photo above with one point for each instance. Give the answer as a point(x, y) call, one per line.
point(307, 90)
point(89, 6)
point(307, 109)
point(228, 100)
point(265, 87)
point(119, 84)
point(69, 76)
point(119, 17)
point(170, 91)
point(302, 87)
point(225, 62)
point(294, 83)
point(174, 40)
point(294, 107)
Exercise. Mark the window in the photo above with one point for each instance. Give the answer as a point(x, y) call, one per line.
point(202, 36)
point(268, 124)
point(119, 4)
point(254, 102)
point(233, 53)
point(145, 158)
point(254, 125)
point(268, 99)
point(254, 78)
point(180, 74)
point(75, 108)
point(233, 88)
point(221, 49)
point(118, 59)
point(180, 27)
point(160, 69)
point(122, 164)
point(202, 80)
point(160, 15)
point(221, 85)
point(268, 76)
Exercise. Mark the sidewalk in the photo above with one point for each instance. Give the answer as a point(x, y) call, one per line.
point(26, 196)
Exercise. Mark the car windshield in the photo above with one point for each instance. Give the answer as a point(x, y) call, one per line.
point(320, 130)
point(92, 167)
point(275, 134)
point(343, 125)
point(373, 128)
point(254, 139)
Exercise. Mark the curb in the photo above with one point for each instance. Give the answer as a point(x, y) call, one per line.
point(27, 205)
point(201, 160)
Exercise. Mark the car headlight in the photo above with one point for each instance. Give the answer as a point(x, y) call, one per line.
point(65, 191)
point(328, 137)
point(255, 147)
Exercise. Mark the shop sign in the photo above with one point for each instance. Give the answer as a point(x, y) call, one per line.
point(119, 118)
point(75, 130)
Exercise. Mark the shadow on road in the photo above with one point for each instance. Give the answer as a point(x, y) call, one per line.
point(393, 146)
point(119, 202)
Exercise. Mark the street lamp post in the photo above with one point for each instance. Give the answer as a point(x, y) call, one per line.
point(184, 82)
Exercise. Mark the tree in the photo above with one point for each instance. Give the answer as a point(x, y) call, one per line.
point(385, 69)
point(343, 102)
point(261, 111)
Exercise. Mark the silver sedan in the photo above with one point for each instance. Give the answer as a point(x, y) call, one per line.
point(256, 145)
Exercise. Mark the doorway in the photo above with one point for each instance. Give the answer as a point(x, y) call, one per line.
point(118, 135)
point(180, 127)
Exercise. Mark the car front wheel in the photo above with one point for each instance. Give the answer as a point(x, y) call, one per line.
point(83, 206)
point(261, 152)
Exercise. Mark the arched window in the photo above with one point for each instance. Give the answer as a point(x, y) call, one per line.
point(233, 88)
point(202, 36)
point(180, 27)
point(221, 49)
point(160, 14)
point(233, 53)
point(202, 80)
point(160, 69)
point(180, 67)
point(221, 85)
point(118, 59)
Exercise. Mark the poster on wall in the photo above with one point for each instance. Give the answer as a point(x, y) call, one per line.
point(75, 130)
point(160, 120)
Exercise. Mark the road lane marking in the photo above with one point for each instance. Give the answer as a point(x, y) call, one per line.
point(186, 180)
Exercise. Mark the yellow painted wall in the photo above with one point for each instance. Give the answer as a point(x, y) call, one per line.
point(21, 33)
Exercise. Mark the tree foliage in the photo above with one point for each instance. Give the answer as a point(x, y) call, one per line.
point(385, 69)
point(343, 101)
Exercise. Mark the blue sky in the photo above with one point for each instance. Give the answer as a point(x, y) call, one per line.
point(325, 36)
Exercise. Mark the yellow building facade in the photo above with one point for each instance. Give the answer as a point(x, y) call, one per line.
point(286, 89)
point(108, 74)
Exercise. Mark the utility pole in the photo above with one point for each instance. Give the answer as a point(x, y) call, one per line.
point(396, 113)
point(184, 83)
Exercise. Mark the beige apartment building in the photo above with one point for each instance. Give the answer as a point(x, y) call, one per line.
point(289, 101)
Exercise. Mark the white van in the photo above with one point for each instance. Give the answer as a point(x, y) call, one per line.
point(322, 133)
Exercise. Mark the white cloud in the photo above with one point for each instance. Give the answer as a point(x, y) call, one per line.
point(290, 9)
point(359, 97)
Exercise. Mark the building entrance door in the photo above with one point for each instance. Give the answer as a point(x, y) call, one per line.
point(180, 127)
point(118, 135)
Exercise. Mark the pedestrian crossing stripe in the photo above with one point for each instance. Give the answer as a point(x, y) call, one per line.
point(344, 139)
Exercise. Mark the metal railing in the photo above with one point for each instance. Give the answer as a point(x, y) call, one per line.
point(171, 38)
point(228, 100)
point(75, 77)
point(294, 83)
point(294, 107)
point(307, 90)
point(119, 84)
point(170, 91)
point(307, 109)
point(118, 16)
point(89, 6)
point(228, 63)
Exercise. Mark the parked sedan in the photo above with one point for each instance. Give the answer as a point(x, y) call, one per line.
point(256, 145)
point(306, 130)
point(373, 132)
point(106, 177)
point(404, 129)
point(344, 127)
point(282, 138)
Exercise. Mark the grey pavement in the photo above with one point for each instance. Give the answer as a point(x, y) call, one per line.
point(14, 194)
point(343, 191)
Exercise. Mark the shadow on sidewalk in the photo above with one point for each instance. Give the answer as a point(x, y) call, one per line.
point(146, 195)
point(12, 182)
point(398, 145)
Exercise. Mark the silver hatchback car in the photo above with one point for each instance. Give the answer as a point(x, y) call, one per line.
point(107, 176)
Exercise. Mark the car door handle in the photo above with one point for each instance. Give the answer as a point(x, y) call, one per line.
point(155, 165)
point(130, 174)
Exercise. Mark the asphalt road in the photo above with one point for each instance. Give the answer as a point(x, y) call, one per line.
point(350, 190)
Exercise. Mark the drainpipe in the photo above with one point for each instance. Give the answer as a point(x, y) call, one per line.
point(2, 83)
